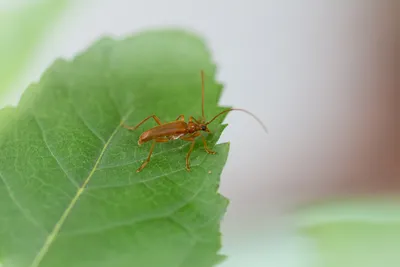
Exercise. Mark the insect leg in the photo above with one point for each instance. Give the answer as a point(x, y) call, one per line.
point(206, 147)
point(157, 140)
point(188, 155)
point(143, 121)
point(180, 118)
point(148, 157)
point(190, 137)
point(193, 119)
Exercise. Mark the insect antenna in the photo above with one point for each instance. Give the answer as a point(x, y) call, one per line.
point(202, 95)
point(239, 109)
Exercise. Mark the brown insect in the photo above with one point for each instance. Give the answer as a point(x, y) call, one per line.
point(179, 129)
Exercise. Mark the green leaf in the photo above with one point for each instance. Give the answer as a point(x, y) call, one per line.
point(69, 191)
point(355, 232)
point(21, 29)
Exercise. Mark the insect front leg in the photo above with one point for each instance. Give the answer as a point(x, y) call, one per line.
point(191, 138)
point(206, 147)
point(157, 120)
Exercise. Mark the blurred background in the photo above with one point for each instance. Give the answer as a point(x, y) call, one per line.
point(323, 75)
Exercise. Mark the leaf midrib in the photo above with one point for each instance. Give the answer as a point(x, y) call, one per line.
point(53, 235)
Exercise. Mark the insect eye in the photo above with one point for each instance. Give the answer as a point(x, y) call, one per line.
point(203, 128)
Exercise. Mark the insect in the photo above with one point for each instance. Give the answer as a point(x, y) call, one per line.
point(179, 129)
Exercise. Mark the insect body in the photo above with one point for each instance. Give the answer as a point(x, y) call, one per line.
point(179, 129)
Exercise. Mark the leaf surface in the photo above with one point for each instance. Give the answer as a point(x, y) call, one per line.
point(69, 191)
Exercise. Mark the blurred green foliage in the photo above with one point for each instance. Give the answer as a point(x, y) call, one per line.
point(21, 29)
point(356, 232)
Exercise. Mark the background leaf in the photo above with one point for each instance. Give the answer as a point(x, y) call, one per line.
point(21, 28)
point(69, 193)
point(354, 232)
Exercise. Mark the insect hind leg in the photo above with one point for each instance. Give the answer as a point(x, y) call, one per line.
point(156, 119)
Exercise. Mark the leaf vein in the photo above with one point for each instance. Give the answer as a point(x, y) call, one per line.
point(52, 153)
point(87, 125)
point(139, 160)
point(167, 214)
point(23, 211)
point(53, 235)
point(93, 188)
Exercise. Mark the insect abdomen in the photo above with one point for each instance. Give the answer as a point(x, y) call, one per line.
point(165, 130)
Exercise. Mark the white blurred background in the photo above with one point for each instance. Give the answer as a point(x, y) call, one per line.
point(320, 73)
